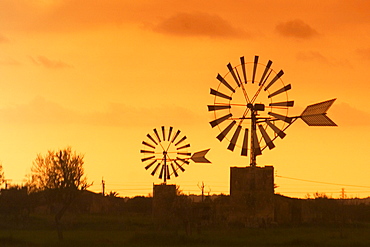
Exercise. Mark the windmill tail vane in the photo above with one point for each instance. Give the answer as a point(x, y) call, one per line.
point(199, 157)
point(315, 115)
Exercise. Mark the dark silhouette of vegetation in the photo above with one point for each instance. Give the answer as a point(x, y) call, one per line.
point(2, 178)
point(57, 189)
point(15, 205)
point(113, 194)
point(96, 220)
point(61, 175)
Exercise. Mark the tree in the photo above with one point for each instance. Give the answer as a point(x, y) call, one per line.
point(60, 175)
point(113, 194)
point(2, 178)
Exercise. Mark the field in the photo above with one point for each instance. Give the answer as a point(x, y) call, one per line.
point(138, 231)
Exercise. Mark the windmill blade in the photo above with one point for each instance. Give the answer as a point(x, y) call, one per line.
point(315, 115)
point(220, 120)
point(223, 134)
point(169, 133)
point(266, 137)
point(234, 139)
point(223, 81)
point(155, 169)
point(199, 157)
point(245, 143)
point(179, 166)
point(265, 72)
point(237, 73)
point(256, 145)
point(218, 107)
point(181, 140)
point(147, 158)
point(163, 133)
point(254, 68)
point(147, 144)
point(185, 146)
point(278, 75)
point(152, 139)
point(183, 153)
point(162, 171)
point(278, 131)
point(217, 93)
point(176, 135)
point(146, 151)
point(281, 117)
point(156, 134)
point(286, 103)
point(168, 172)
point(242, 62)
point(152, 163)
point(233, 74)
point(174, 170)
point(281, 90)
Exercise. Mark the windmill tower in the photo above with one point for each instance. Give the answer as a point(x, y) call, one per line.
point(250, 109)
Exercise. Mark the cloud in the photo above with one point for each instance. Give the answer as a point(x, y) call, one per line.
point(318, 57)
point(348, 116)
point(41, 111)
point(122, 115)
point(65, 15)
point(364, 53)
point(72, 15)
point(3, 39)
point(296, 29)
point(199, 24)
point(312, 56)
point(38, 111)
point(50, 64)
point(9, 62)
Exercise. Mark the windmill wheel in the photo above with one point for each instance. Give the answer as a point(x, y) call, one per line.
point(165, 153)
point(251, 101)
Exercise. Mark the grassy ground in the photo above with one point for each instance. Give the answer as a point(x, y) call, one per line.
point(123, 231)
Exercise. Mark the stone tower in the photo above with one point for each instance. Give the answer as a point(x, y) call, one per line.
point(252, 195)
point(164, 196)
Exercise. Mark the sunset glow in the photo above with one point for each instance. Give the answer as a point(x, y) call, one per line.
point(98, 76)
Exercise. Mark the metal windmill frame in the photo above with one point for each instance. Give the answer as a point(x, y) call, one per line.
point(167, 153)
point(268, 127)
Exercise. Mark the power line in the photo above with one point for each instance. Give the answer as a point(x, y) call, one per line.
point(347, 192)
point(311, 181)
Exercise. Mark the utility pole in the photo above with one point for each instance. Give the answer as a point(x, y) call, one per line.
point(7, 182)
point(103, 186)
point(343, 194)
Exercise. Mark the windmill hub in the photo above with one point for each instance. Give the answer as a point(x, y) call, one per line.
point(256, 107)
point(166, 152)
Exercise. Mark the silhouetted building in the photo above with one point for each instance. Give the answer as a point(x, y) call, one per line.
point(164, 196)
point(252, 195)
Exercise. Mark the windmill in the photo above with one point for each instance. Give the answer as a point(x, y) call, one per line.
point(166, 153)
point(250, 108)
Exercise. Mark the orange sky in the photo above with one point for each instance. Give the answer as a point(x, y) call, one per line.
point(99, 75)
